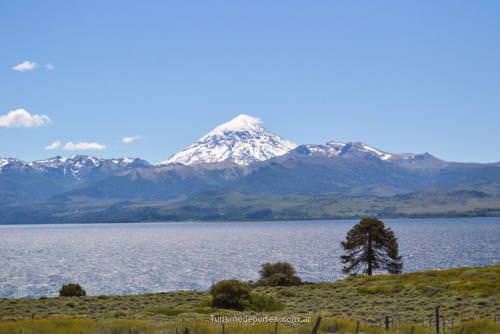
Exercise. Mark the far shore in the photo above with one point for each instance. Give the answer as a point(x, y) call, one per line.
point(353, 218)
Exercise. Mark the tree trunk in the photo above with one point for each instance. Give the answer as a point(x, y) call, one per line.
point(369, 253)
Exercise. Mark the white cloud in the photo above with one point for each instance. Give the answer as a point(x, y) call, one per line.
point(130, 139)
point(49, 67)
point(54, 145)
point(20, 118)
point(83, 146)
point(25, 66)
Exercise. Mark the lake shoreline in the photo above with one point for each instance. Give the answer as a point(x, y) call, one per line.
point(241, 221)
point(205, 291)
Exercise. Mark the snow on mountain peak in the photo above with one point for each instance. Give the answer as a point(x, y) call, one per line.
point(336, 148)
point(11, 162)
point(5, 162)
point(239, 123)
point(78, 165)
point(341, 148)
point(382, 155)
point(242, 141)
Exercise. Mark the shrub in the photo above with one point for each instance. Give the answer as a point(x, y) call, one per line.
point(230, 294)
point(278, 274)
point(72, 290)
point(264, 303)
point(282, 280)
point(269, 269)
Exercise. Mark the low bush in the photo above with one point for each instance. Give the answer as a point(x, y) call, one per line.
point(278, 274)
point(230, 294)
point(72, 290)
point(236, 295)
point(281, 280)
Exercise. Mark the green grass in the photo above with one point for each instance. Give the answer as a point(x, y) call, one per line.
point(329, 325)
point(464, 294)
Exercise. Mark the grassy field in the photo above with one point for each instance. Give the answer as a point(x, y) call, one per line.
point(330, 325)
point(463, 294)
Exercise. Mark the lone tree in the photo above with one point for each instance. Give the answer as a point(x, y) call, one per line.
point(370, 246)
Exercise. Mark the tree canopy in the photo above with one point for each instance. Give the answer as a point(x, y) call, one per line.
point(369, 247)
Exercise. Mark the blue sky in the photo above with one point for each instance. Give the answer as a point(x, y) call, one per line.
point(403, 76)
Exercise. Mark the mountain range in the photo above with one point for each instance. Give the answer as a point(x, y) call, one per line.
point(253, 174)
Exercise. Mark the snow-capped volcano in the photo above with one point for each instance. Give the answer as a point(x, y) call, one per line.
point(242, 141)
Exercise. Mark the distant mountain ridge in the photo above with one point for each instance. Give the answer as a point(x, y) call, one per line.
point(241, 156)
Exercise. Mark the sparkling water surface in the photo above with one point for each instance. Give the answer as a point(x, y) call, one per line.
point(35, 260)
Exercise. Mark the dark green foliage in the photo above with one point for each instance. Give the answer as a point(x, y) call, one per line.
point(280, 280)
point(269, 269)
point(230, 294)
point(72, 290)
point(370, 246)
point(278, 274)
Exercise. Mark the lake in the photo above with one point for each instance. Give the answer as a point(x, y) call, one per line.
point(35, 260)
